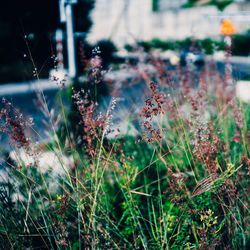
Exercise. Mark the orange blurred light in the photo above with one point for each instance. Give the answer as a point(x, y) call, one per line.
point(227, 28)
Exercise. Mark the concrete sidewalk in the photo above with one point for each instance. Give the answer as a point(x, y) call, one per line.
point(28, 87)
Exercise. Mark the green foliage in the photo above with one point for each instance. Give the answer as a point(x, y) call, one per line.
point(155, 5)
point(241, 44)
point(159, 44)
point(208, 45)
point(107, 49)
point(190, 4)
point(128, 47)
point(211, 46)
point(184, 189)
point(220, 4)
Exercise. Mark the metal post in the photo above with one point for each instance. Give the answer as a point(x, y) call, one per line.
point(70, 40)
point(228, 64)
point(59, 49)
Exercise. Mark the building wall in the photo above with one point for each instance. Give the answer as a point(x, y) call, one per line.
point(128, 21)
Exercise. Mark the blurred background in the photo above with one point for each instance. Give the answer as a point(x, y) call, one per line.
point(117, 27)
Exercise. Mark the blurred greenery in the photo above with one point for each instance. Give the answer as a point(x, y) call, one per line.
point(220, 4)
point(240, 45)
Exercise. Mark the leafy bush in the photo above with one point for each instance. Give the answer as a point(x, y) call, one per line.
point(220, 4)
point(107, 49)
point(240, 45)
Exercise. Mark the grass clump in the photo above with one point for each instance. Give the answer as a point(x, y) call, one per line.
point(180, 182)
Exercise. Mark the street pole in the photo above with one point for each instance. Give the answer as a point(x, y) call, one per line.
point(227, 29)
point(70, 40)
point(59, 49)
point(66, 16)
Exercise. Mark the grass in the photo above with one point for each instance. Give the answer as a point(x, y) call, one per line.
point(180, 183)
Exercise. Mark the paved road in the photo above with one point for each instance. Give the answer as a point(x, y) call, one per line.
point(241, 67)
point(24, 97)
point(29, 105)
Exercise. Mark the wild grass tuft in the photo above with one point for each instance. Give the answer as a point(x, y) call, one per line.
point(179, 182)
